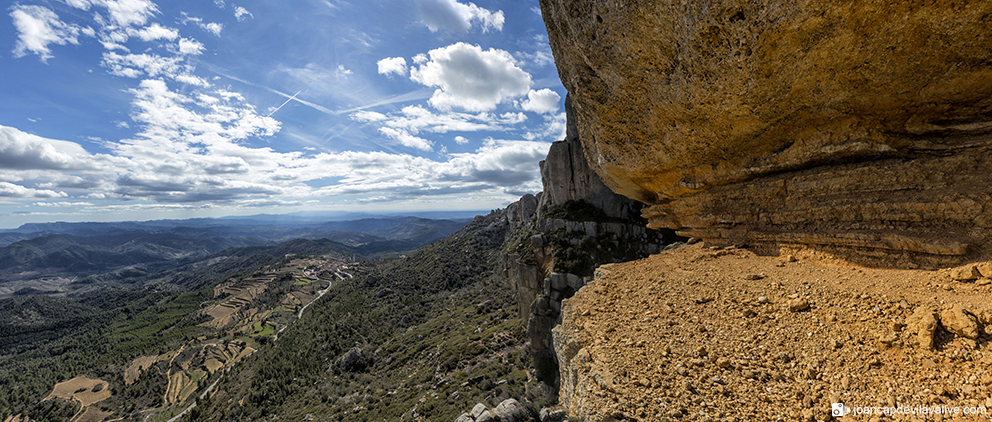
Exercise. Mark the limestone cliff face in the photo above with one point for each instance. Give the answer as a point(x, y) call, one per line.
point(860, 128)
point(561, 234)
point(566, 176)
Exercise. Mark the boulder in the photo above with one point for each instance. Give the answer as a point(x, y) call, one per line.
point(486, 416)
point(354, 360)
point(510, 410)
point(465, 417)
point(922, 325)
point(965, 273)
point(478, 410)
point(858, 131)
point(960, 322)
point(552, 414)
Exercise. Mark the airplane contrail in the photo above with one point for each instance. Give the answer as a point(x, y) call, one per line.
point(410, 96)
point(283, 104)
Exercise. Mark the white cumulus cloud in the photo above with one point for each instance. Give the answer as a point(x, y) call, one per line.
point(543, 101)
point(395, 65)
point(455, 17)
point(190, 47)
point(10, 190)
point(471, 78)
point(24, 151)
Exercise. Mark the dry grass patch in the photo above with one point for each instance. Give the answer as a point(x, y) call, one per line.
point(81, 389)
point(139, 364)
point(213, 365)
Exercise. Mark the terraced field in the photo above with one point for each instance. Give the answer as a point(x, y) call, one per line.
point(243, 312)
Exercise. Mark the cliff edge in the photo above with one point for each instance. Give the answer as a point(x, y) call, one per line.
point(859, 129)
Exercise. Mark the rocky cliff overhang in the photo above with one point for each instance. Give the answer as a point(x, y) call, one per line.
point(860, 128)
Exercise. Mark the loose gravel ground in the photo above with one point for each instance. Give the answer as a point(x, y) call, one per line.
point(703, 334)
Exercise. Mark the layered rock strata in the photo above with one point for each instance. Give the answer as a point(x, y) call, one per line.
point(860, 129)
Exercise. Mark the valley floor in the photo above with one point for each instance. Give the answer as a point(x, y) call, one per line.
point(697, 333)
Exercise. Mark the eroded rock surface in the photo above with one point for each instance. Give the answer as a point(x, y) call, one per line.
point(860, 129)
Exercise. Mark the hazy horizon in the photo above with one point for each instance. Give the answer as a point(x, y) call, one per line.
point(128, 110)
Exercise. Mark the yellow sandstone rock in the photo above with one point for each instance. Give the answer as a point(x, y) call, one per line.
point(861, 129)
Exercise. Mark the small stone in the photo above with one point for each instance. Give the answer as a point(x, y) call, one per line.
point(965, 273)
point(845, 382)
point(790, 258)
point(723, 363)
point(758, 276)
point(888, 339)
point(959, 321)
point(716, 380)
point(762, 299)
point(798, 304)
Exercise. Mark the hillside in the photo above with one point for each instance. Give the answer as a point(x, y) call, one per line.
point(421, 338)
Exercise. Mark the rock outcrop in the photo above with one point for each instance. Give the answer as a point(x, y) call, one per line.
point(562, 234)
point(862, 130)
point(566, 176)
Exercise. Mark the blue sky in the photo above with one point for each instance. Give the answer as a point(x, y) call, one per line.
point(136, 109)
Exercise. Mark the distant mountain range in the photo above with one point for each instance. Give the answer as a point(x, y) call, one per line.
point(44, 258)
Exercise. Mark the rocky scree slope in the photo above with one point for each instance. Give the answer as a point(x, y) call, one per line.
point(860, 129)
point(706, 333)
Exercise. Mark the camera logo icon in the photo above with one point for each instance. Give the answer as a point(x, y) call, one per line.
point(839, 410)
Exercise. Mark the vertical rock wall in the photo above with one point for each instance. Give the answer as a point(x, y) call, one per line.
point(579, 220)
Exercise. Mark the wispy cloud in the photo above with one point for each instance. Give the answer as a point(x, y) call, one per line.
point(242, 14)
point(37, 27)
